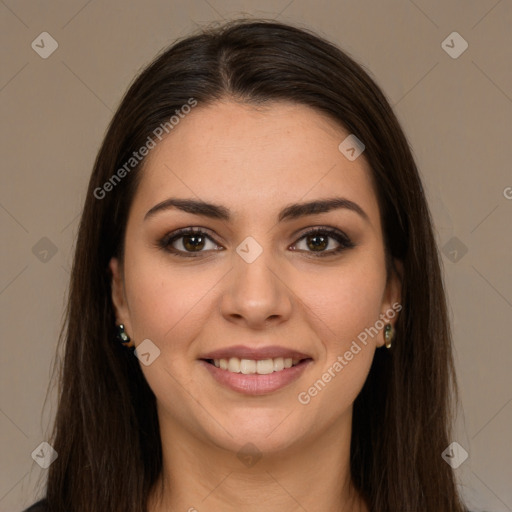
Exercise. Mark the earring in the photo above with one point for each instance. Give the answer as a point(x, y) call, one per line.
point(123, 338)
point(389, 334)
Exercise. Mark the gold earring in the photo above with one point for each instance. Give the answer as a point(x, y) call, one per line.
point(389, 334)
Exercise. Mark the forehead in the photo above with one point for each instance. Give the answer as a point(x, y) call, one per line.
point(254, 159)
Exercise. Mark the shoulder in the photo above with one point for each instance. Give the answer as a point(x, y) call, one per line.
point(40, 506)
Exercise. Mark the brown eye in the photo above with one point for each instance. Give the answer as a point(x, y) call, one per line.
point(188, 242)
point(318, 240)
point(193, 242)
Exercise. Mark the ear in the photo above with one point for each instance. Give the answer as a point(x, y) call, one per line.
point(392, 302)
point(119, 295)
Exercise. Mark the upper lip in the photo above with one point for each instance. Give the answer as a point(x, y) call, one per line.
point(245, 352)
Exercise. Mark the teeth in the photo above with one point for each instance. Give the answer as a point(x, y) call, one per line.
point(234, 365)
point(265, 366)
point(278, 364)
point(247, 366)
point(251, 366)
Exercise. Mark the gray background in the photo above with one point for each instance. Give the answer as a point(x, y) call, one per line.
point(456, 113)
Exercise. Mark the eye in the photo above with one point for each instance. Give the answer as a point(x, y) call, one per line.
point(192, 242)
point(185, 242)
point(317, 240)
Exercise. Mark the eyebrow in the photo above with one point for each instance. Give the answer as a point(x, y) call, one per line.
point(290, 212)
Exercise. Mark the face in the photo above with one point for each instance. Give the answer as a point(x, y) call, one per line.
point(253, 283)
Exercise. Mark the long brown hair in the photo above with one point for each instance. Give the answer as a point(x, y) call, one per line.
point(106, 428)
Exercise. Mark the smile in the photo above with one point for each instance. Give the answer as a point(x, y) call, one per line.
point(253, 366)
point(243, 375)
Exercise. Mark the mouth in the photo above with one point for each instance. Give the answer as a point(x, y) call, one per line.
point(256, 376)
point(255, 371)
point(257, 366)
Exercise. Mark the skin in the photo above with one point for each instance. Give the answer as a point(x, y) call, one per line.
point(254, 161)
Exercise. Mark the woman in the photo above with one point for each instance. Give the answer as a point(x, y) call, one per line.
point(256, 226)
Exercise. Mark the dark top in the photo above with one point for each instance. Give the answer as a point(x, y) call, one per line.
point(40, 506)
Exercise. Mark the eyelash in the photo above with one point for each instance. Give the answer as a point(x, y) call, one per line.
point(339, 236)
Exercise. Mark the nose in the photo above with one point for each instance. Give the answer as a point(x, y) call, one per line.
point(256, 294)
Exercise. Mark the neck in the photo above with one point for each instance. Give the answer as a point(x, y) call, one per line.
point(312, 475)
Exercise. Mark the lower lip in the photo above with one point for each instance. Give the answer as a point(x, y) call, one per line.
point(255, 384)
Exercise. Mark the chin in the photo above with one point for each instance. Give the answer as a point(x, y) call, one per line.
point(268, 431)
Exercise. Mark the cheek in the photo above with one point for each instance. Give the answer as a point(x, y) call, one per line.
point(167, 304)
point(346, 305)
point(345, 302)
point(173, 307)
point(361, 294)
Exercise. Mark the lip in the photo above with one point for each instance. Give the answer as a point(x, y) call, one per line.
point(255, 384)
point(245, 352)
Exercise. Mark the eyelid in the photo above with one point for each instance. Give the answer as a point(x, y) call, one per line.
point(331, 232)
point(165, 242)
point(341, 238)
